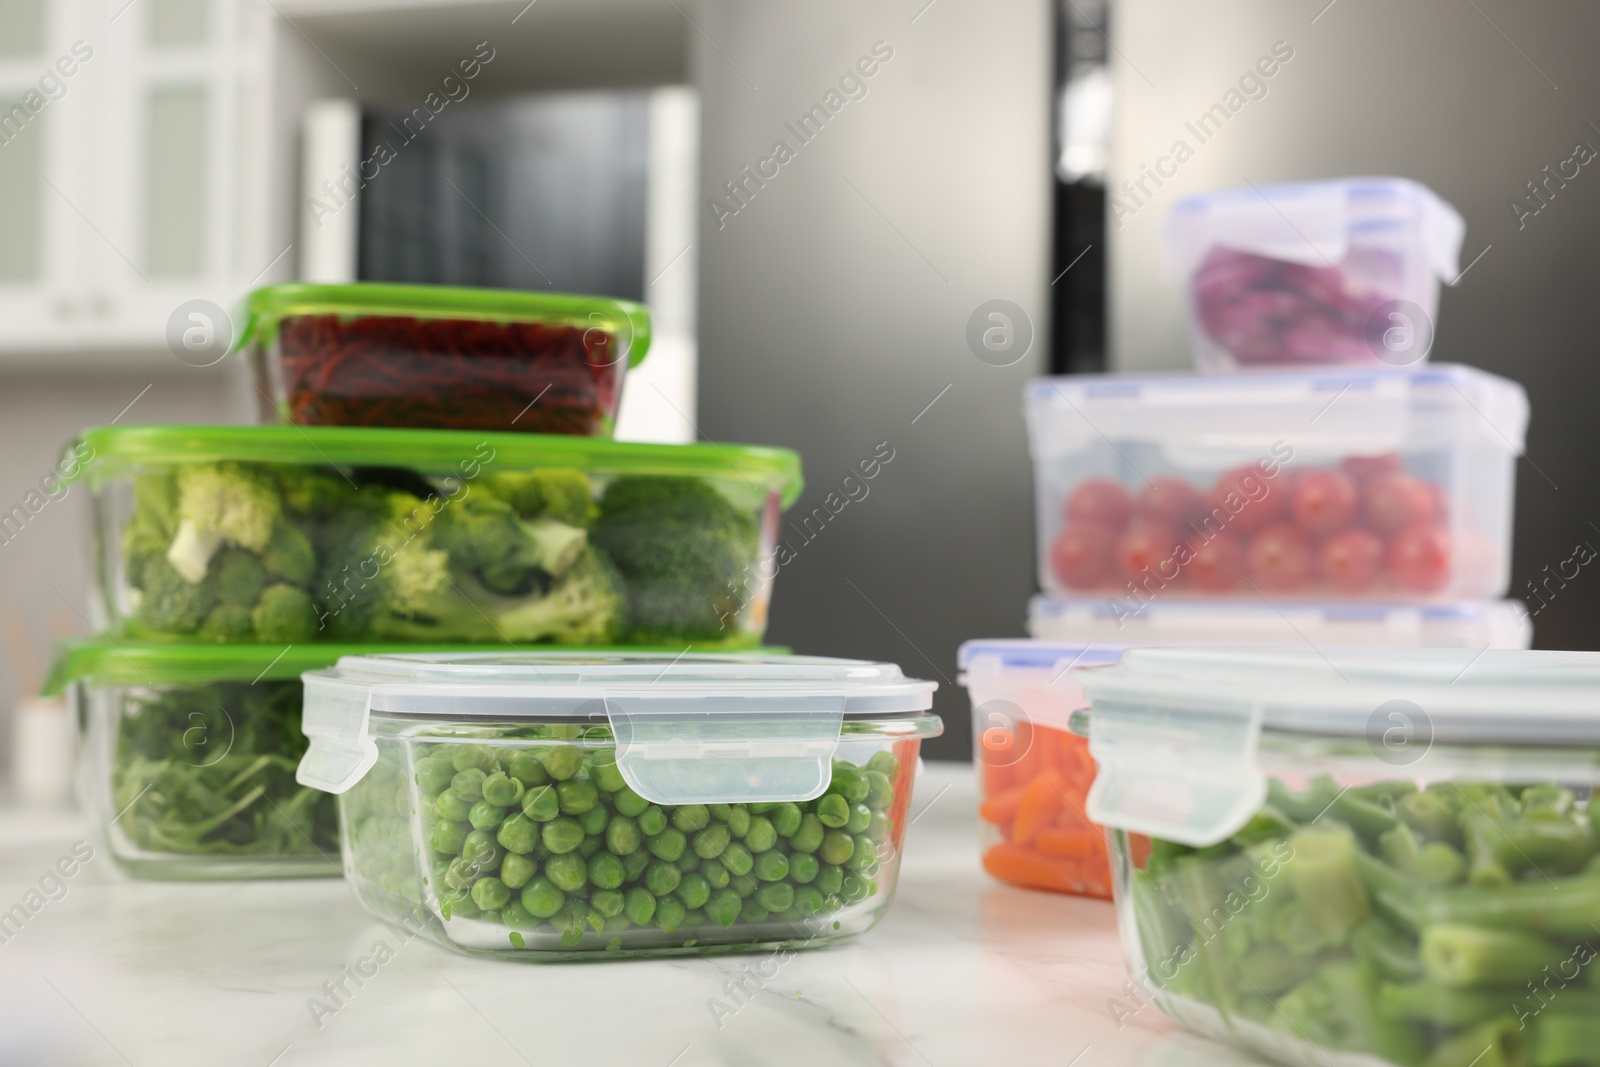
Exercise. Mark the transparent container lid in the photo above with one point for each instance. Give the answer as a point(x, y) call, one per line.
point(1335, 410)
point(1311, 222)
point(1111, 622)
point(688, 728)
point(1176, 732)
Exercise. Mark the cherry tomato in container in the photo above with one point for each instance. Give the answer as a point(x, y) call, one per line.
point(1099, 500)
point(1396, 500)
point(1324, 502)
point(1170, 501)
point(1082, 556)
point(1350, 561)
point(1420, 558)
point(1279, 558)
point(1252, 499)
point(1216, 565)
point(1146, 548)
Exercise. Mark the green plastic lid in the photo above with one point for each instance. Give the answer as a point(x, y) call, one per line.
point(103, 662)
point(113, 451)
point(265, 308)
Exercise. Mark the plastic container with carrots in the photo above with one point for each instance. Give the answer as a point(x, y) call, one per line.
point(1034, 773)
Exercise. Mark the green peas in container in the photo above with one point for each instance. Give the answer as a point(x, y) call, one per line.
point(1373, 855)
point(604, 805)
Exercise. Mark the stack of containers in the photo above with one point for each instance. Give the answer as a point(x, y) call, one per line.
point(439, 476)
point(1321, 486)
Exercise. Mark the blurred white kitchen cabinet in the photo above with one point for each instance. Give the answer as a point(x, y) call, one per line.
point(125, 171)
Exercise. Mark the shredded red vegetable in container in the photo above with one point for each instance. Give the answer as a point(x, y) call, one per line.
point(380, 370)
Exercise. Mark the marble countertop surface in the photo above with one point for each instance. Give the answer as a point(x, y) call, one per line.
point(962, 971)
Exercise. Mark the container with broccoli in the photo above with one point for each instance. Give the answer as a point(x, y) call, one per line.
point(286, 535)
point(579, 806)
point(1378, 855)
point(189, 757)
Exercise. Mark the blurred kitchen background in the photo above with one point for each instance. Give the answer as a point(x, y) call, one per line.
point(169, 151)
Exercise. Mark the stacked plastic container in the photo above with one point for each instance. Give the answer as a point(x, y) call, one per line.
point(435, 471)
point(1321, 486)
point(430, 628)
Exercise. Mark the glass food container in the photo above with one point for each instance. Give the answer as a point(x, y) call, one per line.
point(289, 534)
point(1389, 486)
point(1470, 624)
point(189, 754)
point(438, 357)
point(583, 806)
point(1358, 856)
point(1322, 272)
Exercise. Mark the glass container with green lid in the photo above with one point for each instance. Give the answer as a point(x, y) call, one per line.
point(1358, 855)
point(441, 357)
point(290, 534)
point(582, 805)
point(189, 754)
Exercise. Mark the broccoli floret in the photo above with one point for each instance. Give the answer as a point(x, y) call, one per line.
point(169, 602)
point(227, 622)
point(238, 501)
point(683, 551)
point(284, 613)
point(315, 491)
point(586, 607)
point(487, 538)
point(239, 576)
point(154, 521)
point(289, 556)
point(378, 560)
point(558, 493)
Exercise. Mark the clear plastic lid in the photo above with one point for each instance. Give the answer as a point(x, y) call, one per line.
point(688, 728)
point(1107, 622)
point(1311, 222)
point(1332, 411)
point(1176, 732)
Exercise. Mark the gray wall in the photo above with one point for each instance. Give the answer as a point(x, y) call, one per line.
point(834, 307)
point(1429, 90)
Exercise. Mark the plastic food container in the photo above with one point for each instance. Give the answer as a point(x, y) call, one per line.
point(1470, 624)
point(189, 754)
point(1321, 272)
point(580, 806)
point(1383, 485)
point(1359, 856)
point(1033, 772)
point(436, 357)
point(289, 534)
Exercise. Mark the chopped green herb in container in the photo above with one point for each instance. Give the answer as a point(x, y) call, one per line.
point(1368, 856)
point(189, 756)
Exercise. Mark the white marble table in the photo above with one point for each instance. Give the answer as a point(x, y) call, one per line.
point(963, 971)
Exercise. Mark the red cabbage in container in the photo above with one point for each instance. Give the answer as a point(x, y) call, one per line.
point(1315, 273)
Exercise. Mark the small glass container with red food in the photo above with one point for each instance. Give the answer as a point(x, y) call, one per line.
point(440, 357)
point(1323, 272)
point(1339, 484)
point(1033, 772)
